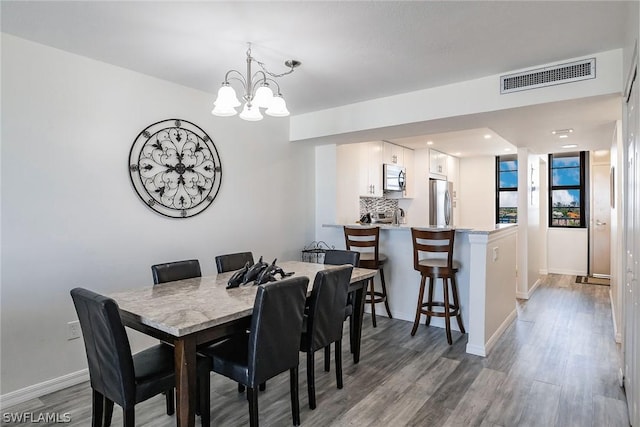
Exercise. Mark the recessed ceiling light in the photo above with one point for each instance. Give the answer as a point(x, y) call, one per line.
point(563, 136)
point(561, 132)
point(507, 149)
point(570, 146)
point(487, 136)
point(429, 142)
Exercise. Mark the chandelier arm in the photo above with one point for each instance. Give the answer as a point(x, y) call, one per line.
point(241, 78)
point(274, 82)
point(258, 78)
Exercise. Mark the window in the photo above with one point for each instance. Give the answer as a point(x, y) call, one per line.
point(567, 189)
point(506, 189)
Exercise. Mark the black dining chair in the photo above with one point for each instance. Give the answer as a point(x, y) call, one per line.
point(270, 347)
point(231, 262)
point(323, 321)
point(340, 257)
point(115, 374)
point(170, 272)
point(177, 270)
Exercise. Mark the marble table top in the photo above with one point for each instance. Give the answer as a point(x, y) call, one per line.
point(186, 306)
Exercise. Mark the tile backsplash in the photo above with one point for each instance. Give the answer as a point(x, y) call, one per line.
point(377, 204)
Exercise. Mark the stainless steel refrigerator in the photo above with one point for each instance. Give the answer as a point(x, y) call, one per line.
point(440, 207)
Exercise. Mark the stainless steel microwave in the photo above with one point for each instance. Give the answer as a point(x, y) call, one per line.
point(394, 177)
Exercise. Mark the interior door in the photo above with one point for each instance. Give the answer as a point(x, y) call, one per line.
point(600, 254)
point(631, 341)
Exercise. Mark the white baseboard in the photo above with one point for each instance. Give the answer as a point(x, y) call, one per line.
point(527, 295)
point(616, 332)
point(37, 390)
point(569, 272)
point(477, 350)
point(498, 333)
point(544, 271)
point(437, 322)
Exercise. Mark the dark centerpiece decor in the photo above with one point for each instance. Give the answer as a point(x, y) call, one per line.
point(258, 273)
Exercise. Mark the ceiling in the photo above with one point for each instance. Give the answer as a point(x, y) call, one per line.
point(350, 51)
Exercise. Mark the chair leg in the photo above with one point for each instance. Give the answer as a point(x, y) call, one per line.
point(295, 401)
point(432, 285)
point(97, 407)
point(327, 358)
point(447, 318)
point(416, 322)
point(108, 412)
point(338, 345)
point(129, 417)
point(384, 293)
point(171, 403)
point(252, 397)
point(311, 381)
point(372, 295)
point(456, 301)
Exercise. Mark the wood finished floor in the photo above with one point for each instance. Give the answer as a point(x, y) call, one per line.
point(555, 366)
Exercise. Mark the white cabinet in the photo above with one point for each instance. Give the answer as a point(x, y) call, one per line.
point(409, 165)
point(370, 169)
point(393, 154)
point(438, 163)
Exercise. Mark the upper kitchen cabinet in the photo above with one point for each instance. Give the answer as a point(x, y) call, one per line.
point(371, 177)
point(438, 163)
point(393, 154)
point(409, 165)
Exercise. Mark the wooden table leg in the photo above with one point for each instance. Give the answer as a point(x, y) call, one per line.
point(185, 360)
point(355, 330)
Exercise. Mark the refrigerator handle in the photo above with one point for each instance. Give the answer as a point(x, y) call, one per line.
point(447, 208)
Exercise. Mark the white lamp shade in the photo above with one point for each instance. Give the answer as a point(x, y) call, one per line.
point(251, 114)
point(223, 111)
point(278, 107)
point(227, 98)
point(263, 97)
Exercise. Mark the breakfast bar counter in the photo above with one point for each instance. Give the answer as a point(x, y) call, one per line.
point(486, 279)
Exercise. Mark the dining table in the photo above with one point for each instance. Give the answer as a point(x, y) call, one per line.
point(192, 312)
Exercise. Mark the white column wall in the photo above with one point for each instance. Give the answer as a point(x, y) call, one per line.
point(70, 216)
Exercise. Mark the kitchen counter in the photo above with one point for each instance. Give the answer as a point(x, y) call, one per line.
point(486, 280)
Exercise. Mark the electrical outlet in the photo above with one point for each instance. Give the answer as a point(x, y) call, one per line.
point(495, 254)
point(73, 330)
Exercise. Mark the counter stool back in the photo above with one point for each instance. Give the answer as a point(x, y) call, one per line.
point(367, 242)
point(428, 248)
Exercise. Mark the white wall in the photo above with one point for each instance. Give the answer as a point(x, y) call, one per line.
point(477, 204)
point(70, 216)
point(567, 251)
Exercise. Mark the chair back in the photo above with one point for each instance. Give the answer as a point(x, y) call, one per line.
point(326, 307)
point(230, 262)
point(178, 270)
point(109, 357)
point(366, 241)
point(276, 324)
point(339, 257)
point(432, 242)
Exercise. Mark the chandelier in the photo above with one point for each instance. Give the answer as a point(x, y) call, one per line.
point(257, 92)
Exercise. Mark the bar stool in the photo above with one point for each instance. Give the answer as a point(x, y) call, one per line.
point(366, 241)
point(433, 268)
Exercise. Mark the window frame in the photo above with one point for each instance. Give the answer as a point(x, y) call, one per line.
point(499, 189)
point(582, 187)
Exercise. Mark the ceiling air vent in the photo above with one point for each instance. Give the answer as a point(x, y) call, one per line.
point(549, 76)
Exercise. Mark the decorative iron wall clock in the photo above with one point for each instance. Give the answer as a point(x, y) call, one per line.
point(175, 168)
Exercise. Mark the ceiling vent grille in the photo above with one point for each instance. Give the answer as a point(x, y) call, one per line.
point(549, 76)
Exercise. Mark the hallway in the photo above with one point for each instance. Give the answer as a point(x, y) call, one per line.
point(556, 365)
